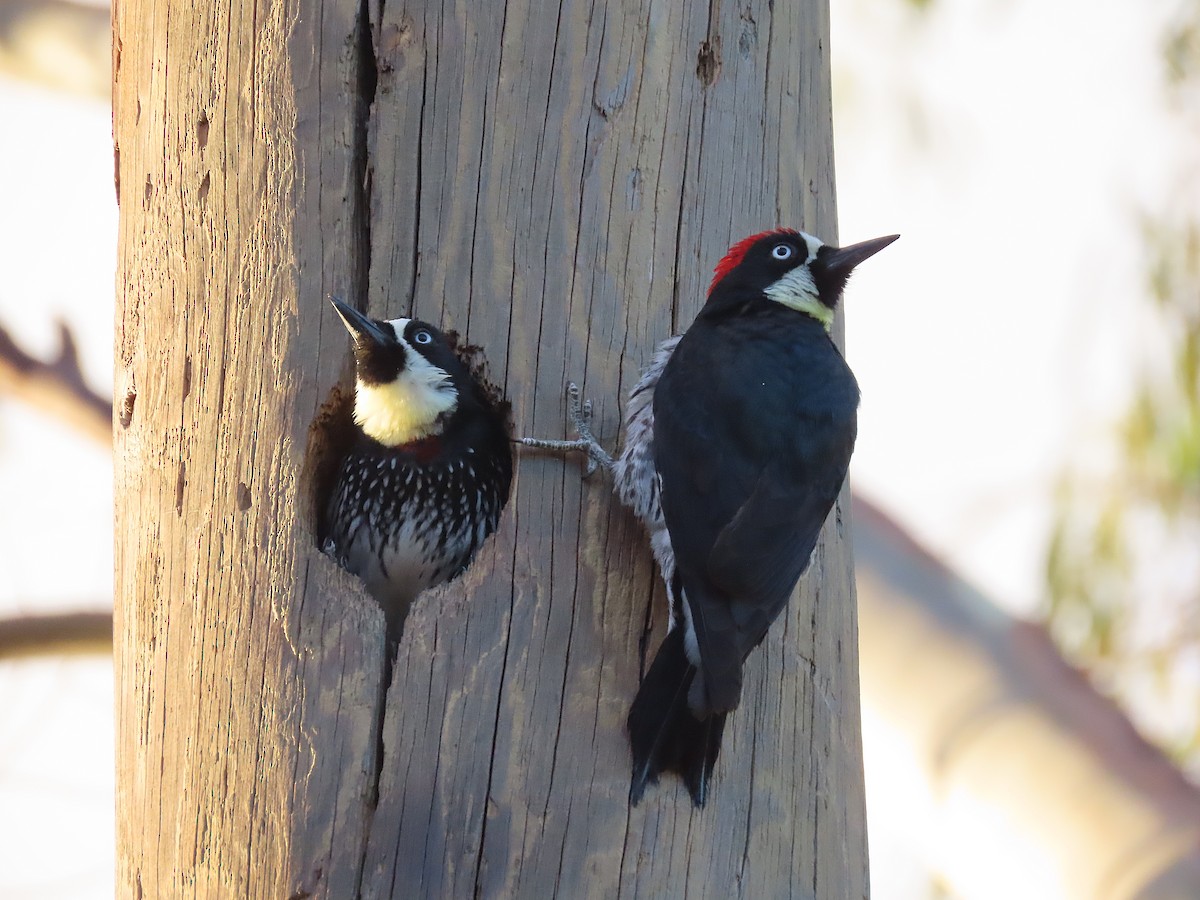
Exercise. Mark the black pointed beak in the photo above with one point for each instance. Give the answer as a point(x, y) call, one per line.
point(841, 261)
point(360, 325)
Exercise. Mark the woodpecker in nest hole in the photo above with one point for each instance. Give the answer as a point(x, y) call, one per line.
point(738, 437)
point(428, 469)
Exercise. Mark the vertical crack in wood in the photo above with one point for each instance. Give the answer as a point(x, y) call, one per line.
point(708, 58)
point(416, 237)
point(366, 72)
point(487, 794)
point(366, 80)
point(647, 633)
point(676, 327)
point(750, 797)
point(812, 730)
point(483, 829)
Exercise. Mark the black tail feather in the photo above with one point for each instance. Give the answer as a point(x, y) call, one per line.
point(663, 733)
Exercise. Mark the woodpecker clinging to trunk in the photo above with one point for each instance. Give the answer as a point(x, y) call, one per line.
point(738, 438)
point(428, 470)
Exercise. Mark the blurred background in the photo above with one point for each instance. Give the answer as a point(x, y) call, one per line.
point(1027, 477)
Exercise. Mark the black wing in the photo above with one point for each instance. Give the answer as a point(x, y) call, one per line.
point(748, 480)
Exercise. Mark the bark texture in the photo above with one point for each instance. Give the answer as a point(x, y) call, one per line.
point(555, 183)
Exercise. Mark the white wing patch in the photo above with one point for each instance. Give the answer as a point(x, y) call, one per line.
point(635, 477)
point(408, 408)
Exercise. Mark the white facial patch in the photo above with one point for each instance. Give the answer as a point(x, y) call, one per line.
point(407, 409)
point(797, 290)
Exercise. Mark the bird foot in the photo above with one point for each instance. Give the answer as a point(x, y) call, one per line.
point(579, 414)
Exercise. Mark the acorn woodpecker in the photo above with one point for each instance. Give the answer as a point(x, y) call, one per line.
point(738, 438)
point(428, 468)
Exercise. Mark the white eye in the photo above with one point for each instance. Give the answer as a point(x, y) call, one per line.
point(782, 251)
point(423, 337)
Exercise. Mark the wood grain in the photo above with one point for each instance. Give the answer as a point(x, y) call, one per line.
point(555, 183)
point(247, 666)
point(559, 188)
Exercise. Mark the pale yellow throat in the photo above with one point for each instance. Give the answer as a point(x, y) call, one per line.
point(408, 408)
point(797, 291)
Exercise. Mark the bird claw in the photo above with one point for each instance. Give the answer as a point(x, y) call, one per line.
point(579, 414)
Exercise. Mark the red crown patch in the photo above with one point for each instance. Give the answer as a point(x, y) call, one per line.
point(734, 256)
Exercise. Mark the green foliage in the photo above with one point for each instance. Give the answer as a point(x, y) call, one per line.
point(1162, 431)
point(1181, 49)
point(1104, 549)
point(1118, 546)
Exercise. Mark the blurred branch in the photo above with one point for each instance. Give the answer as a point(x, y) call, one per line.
point(57, 388)
point(65, 45)
point(56, 634)
point(1121, 584)
point(1028, 778)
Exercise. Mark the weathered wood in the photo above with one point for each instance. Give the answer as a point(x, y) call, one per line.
point(567, 181)
point(556, 184)
point(247, 666)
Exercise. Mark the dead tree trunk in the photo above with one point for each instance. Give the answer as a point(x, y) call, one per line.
point(555, 183)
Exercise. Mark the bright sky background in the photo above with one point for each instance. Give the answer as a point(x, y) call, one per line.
point(1014, 144)
point(58, 233)
point(1011, 142)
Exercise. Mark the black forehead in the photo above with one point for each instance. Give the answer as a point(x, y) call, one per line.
point(382, 363)
point(415, 325)
point(407, 331)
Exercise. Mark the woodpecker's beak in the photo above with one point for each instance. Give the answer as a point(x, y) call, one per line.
point(841, 261)
point(359, 325)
